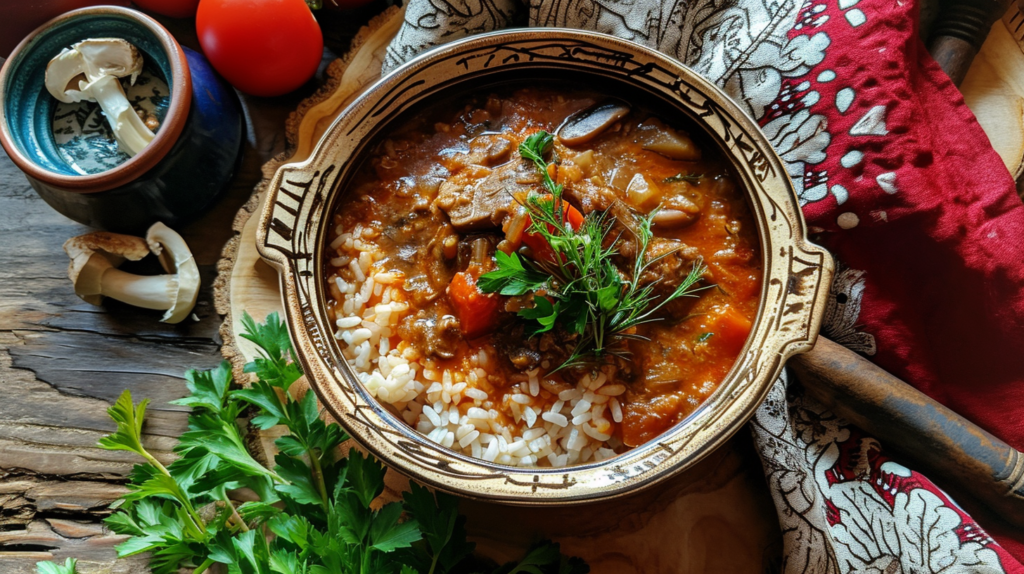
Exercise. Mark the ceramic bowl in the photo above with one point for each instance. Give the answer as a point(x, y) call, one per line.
point(173, 178)
point(293, 230)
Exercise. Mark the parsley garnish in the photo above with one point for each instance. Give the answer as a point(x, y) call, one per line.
point(511, 277)
point(53, 568)
point(313, 514)
point(704, 337)
point(582, 289)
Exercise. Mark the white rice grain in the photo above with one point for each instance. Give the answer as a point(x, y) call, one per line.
point(616, 409)
point(554, 418)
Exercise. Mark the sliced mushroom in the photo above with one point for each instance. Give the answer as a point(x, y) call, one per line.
point(96, 256)
point(93, 67)
point(587, 124)
point(655, 136)
point(175, 257)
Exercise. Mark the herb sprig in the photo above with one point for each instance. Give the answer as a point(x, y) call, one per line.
point(582, 289)
point(313, 511)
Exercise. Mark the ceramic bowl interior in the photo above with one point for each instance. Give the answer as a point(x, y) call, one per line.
point(29, 108)
point(293, 229)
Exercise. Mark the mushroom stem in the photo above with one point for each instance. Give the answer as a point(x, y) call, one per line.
point(148, 292)
point(93, 270)
point(129, 130)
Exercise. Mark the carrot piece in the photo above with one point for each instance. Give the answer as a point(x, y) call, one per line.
point(730, 330)
point(537, 243)
point(478, 312)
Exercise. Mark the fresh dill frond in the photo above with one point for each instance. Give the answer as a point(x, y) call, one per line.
point(584, 292)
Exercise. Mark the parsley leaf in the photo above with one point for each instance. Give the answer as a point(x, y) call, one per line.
point(207, 389)
point(275, 367)
point(128, 417)
point(185, 517)
point(387, 533)
point(444, 542)
point(545, 558)
point(511, 277)
point(53, 568)
point(543, 312)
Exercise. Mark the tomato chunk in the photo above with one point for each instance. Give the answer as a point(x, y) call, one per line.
point(478, 312)
point(539, 245)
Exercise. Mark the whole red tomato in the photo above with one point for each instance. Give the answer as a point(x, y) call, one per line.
point(262, 47)
point(172, 8)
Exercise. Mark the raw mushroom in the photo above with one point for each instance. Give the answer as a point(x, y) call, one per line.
point(587, 124)
point(96, 256)
point(97, 64)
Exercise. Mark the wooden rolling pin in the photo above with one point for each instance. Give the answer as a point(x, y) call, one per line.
point(932, 437)
point(959, 31)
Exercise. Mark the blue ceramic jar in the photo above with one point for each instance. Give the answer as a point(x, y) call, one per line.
point(174, 178)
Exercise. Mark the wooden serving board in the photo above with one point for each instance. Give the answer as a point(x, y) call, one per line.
point(716, 517)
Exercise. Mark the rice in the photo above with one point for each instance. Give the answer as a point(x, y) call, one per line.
point(531, 421)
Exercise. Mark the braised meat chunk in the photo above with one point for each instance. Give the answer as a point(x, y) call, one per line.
point(478, 204)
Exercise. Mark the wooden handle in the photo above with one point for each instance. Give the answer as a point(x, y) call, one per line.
point(934, 438)
point(960, 30)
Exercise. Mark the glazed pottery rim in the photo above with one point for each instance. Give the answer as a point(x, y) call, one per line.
point(292, 233)
point(180, 84)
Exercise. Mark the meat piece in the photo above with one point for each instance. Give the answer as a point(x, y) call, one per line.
point(548, 350)
point(675, 264)
point(524, 359)
point(667, 274)
point(490, 150)
point(482, 204)
point(589, 196)
point(432, 335)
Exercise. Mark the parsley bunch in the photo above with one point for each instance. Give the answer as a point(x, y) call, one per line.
point(310, 514)
point(582, 289)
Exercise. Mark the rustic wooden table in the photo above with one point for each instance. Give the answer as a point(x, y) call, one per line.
point(63, 361)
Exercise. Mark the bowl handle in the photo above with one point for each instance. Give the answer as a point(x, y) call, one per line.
point(804, 296)
point(294, 204)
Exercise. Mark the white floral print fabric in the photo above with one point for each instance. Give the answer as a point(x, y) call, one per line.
point(843, 505)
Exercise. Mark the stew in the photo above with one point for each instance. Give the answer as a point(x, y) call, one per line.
point(542, 276)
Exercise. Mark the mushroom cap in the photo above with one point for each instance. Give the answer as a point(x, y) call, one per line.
point(93, 58)
point(176, 258)
point(63, 68)
point(110, 57)
point(93, 253)
point(585, 125)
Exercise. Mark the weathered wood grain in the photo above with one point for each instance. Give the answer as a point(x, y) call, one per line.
point(62, 361)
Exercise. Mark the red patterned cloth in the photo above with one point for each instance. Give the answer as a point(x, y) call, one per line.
point(898, 180)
